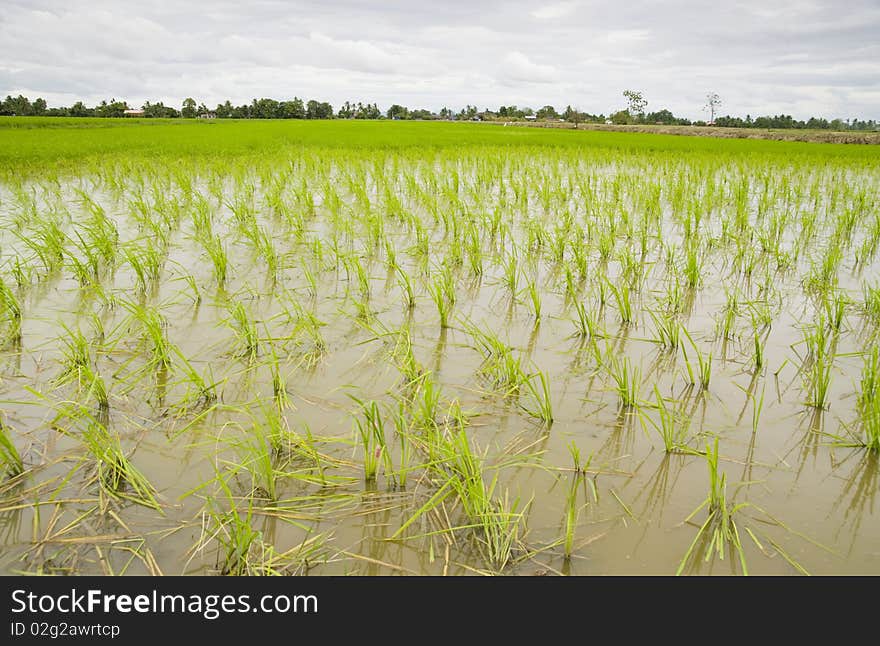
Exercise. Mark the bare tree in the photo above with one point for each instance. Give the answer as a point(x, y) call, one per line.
point(712, 103)
point(637, 103)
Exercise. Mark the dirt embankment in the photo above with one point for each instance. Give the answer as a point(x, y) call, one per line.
point(816, 136)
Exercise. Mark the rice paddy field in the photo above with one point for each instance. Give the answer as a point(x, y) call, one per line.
point(390, 348)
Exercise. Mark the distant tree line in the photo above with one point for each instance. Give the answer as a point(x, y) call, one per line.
point(299, 109)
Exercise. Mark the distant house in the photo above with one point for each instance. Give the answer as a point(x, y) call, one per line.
point(133, 113)
point(530, 117)
point(208, 115)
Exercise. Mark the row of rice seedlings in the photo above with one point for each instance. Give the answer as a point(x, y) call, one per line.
point(694, 222)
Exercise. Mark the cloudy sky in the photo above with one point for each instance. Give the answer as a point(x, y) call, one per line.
point(799, 57)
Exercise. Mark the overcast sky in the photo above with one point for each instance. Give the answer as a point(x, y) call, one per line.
point(796, 57)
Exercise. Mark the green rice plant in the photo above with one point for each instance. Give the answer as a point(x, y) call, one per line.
point(474, 250)
point(154, 328)
point(819, 362)
point(279, 383)
point(363, 279)
point(403, 279)
point(401, 429)
point(47, 241)
point(206, 389)
point(256, 451)
point(114, 471)
point(869, 420)
point(543, 407)
point(869, 387)
point(10, 309)
point(627, 380)
point(194, 288)
point(704, 362)
point(668, 332)
point(11, 464)
point(405, 357)
point(309, 275)
point(692, 267)
point(425, 403)
point(497, 520)
point(97, 390)
point(216, 251)
point(606, 244)
point(23, 274)
point(571, 516)
point(440, 295)
point(674, 300)
point(306, 323)
point(390, 255)
point(510, 272)
point(673, 427)
point(758, 356)
point(572, 286)
point(239, 543)
point(266, 247)
point(371, 430)
point(757, 407)
point(624, 302)
point(506, 372)
point(77, 358)
point(534, 299)
point(867, 408)
point(762, 314)
point(835, 310)
point(245, 330)
point(719, 531)
point(872, 303)
point(587, 323)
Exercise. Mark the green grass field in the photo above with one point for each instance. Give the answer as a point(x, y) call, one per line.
point(29, 144)
point(337, 347)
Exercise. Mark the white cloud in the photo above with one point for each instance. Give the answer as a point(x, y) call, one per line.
point(626, 36)
point(552, 11)
point(815, 59)
point(518, 67)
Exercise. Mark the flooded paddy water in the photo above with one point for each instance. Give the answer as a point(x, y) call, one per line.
point(453, 361)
